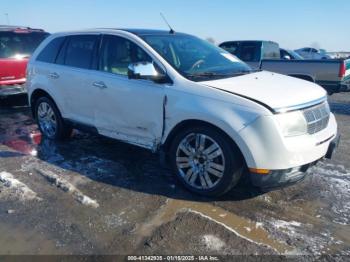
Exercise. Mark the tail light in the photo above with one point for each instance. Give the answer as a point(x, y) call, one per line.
point(342, 69)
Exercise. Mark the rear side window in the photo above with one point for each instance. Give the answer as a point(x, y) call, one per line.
point(80, 51)
point(250, 52)
point(49, 53)
point(271, 51)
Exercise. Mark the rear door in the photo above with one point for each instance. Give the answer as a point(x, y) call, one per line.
point(73, 78)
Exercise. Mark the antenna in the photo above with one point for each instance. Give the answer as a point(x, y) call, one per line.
point(171, 30)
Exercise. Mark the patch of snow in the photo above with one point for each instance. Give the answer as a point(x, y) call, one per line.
point(310, 241)
point(231, 229)
point(85, 200)
point(287, 225)
point(338, 182)
point(259, 224)
point(17, 188)
point(114, 221)
point(248, 229)
point(213, 243)
point(68, 187)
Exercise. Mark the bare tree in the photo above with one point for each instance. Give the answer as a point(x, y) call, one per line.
point(210, 40)
point(315, 45)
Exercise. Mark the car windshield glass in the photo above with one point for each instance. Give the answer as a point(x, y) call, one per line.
point(196, 59)
point(13, 45)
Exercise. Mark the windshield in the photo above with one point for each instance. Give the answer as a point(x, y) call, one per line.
point(196, 59)
point(16, 45)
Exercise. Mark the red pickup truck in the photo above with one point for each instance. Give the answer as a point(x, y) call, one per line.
point(16, 45)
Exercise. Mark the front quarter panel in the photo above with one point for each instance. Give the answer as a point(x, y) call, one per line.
point(230, 117)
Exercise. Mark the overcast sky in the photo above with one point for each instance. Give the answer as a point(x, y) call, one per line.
point(291, 23)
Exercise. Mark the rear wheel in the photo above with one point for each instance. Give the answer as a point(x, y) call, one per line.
point(49, 120)
point(206, 161)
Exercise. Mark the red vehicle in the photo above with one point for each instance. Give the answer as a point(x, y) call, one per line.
point(16, 45)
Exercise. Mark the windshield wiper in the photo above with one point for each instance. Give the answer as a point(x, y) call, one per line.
point(213, 74)
point(245, 72)
point(207, 74)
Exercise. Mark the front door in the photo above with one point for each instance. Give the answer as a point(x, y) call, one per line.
point(129, 110)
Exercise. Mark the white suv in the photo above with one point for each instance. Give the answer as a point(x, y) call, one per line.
point(213, 115)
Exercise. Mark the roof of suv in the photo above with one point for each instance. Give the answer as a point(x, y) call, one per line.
point(135, 31)
point(142, 31)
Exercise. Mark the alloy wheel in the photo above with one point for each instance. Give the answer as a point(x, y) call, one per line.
point(47, 119)
point(200, 161)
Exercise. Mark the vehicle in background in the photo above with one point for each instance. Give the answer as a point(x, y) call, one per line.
point(312, 53)
point(333, 75)
point(16, 45)
point(252, 51)
point(213, 116)
point(339, 55)
point(286, 54)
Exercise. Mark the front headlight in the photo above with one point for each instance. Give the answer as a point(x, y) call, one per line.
point(292, 124)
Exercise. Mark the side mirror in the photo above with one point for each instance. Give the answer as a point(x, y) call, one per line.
point(286, 57)
point(146, 70)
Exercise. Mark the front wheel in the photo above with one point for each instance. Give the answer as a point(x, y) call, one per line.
point(49, 120)
point(206, 161)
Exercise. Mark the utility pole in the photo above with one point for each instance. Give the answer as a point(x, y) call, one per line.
point(7, 18)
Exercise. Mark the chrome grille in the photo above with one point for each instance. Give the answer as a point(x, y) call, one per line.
point(317, 117)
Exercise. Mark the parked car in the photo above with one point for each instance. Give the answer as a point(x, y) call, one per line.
point(333, 75)
point(16, 45)
point(289, 55)
point(312, 53)
point(211, 113)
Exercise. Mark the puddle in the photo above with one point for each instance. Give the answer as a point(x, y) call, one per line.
point(24, 146)
point(240, 226)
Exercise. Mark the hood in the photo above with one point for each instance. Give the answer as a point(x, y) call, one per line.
point(274, 90)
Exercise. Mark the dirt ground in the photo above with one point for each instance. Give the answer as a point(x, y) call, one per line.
point(93, 195)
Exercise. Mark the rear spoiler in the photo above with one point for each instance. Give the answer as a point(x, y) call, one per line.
point(19, 28)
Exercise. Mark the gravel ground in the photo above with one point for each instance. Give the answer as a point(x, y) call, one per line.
point(93, 195)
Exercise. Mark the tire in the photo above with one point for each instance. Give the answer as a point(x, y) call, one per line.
point(216, 157)
point(59, 130)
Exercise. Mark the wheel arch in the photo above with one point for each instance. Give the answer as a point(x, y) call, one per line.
point(304, 77)
point(38, 93)
point(195, 122)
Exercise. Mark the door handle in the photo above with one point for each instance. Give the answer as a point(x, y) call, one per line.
point(54, 75)
point(99, 84)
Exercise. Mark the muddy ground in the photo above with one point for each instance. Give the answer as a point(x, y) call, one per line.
point(92, 195)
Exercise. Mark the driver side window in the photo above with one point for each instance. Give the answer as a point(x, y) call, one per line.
point(118, 53)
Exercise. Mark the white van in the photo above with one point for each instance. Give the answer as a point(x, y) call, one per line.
point(211, 113)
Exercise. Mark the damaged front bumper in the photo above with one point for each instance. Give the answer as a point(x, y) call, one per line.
point(285, 177)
